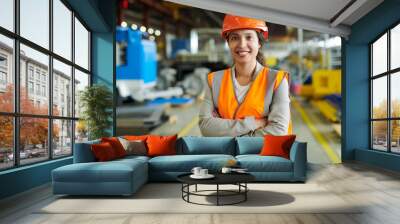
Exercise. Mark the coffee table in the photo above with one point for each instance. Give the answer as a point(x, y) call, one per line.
point(238, 179)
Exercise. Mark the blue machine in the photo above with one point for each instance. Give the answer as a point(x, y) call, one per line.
point(178, 45)
point(137, 59)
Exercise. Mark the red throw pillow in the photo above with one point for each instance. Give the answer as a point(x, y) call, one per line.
point(161, 145)
point(277, 145)
point(103, 151)
point(116, 145)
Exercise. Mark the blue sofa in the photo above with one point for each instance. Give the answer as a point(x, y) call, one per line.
point(125, 176)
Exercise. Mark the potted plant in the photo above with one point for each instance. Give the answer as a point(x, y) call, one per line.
point(96, 104)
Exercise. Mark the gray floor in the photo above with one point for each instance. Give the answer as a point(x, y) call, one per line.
point(378, 190)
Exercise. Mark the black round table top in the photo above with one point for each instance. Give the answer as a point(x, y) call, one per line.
point(220, 178)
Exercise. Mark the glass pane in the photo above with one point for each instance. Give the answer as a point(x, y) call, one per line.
point(6, 142)
point(34, 92)
point(62, 29)
point(81, 131)
point(379, 98)
point(81, 45)
point(379, 135)
point(35, 21)
point(395, 138)
point(62, 89)
point(6, 74)
point(33, 139)
point(62, 138)
point(81, 81)
point(379, 55)
point(395, 94)
point(7, 14)
point(395, 47)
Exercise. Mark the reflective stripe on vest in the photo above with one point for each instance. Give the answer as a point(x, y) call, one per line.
point(257, 100)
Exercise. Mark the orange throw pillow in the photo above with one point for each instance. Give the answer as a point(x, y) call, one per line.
point(161, 145)
point(277, 145)
point(136, 137)
point(116, 145)
point(103, 152)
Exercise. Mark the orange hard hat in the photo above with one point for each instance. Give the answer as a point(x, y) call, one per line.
point(232, 22)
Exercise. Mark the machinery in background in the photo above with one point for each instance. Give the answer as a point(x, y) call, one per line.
point(137, 67)
point(324, 91)
point(144, 95)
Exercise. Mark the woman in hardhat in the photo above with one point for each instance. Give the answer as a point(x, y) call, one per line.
point(247, 99)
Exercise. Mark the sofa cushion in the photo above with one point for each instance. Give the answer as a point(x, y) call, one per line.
point(249, 145)
point(257, 163)
point(206, 145)
point(185, 163)
point(112, 171)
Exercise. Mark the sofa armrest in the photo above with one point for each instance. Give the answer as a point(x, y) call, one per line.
point(83, 152)
point(298, 155)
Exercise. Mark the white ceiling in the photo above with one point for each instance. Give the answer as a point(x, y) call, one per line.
point(315, 15)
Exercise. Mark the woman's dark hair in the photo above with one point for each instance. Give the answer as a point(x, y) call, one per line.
point(260, 56)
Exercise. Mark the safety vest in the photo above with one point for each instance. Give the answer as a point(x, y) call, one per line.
point(257, 100)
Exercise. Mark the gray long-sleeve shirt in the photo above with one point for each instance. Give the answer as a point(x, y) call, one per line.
point(278, 115)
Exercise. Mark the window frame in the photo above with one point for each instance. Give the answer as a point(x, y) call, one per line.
point(16, 114)
point(388, 74)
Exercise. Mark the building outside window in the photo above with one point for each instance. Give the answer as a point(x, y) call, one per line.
point(385, 97)
point(61, 127)
point(3, 78)
point(30, 72)
point(43, 90)
point(30, 87)
point(3, 72)
point(37, 74)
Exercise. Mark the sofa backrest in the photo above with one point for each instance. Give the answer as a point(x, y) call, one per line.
point(249, 145)
point(83, 152)
point(206, 145)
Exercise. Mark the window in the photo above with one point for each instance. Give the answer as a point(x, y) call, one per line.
point(34, 21)
point(38, 89)
point(7, 14)
point(62, 29)
point(3, 61)
point(62, 75)
point(30, 73)
point(6, 89)
point(37, 74)
point(3, 78)
point(385, 97)
point(30, 87)
point(3, 72)
point(81, 45)
point(43, 90)
point(54, 126)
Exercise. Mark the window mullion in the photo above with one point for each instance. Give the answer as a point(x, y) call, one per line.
point(389, 106)
point(16, 84)
point(50, 79)
point(73, 82)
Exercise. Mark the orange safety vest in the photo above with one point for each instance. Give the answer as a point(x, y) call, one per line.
point(257, 100)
